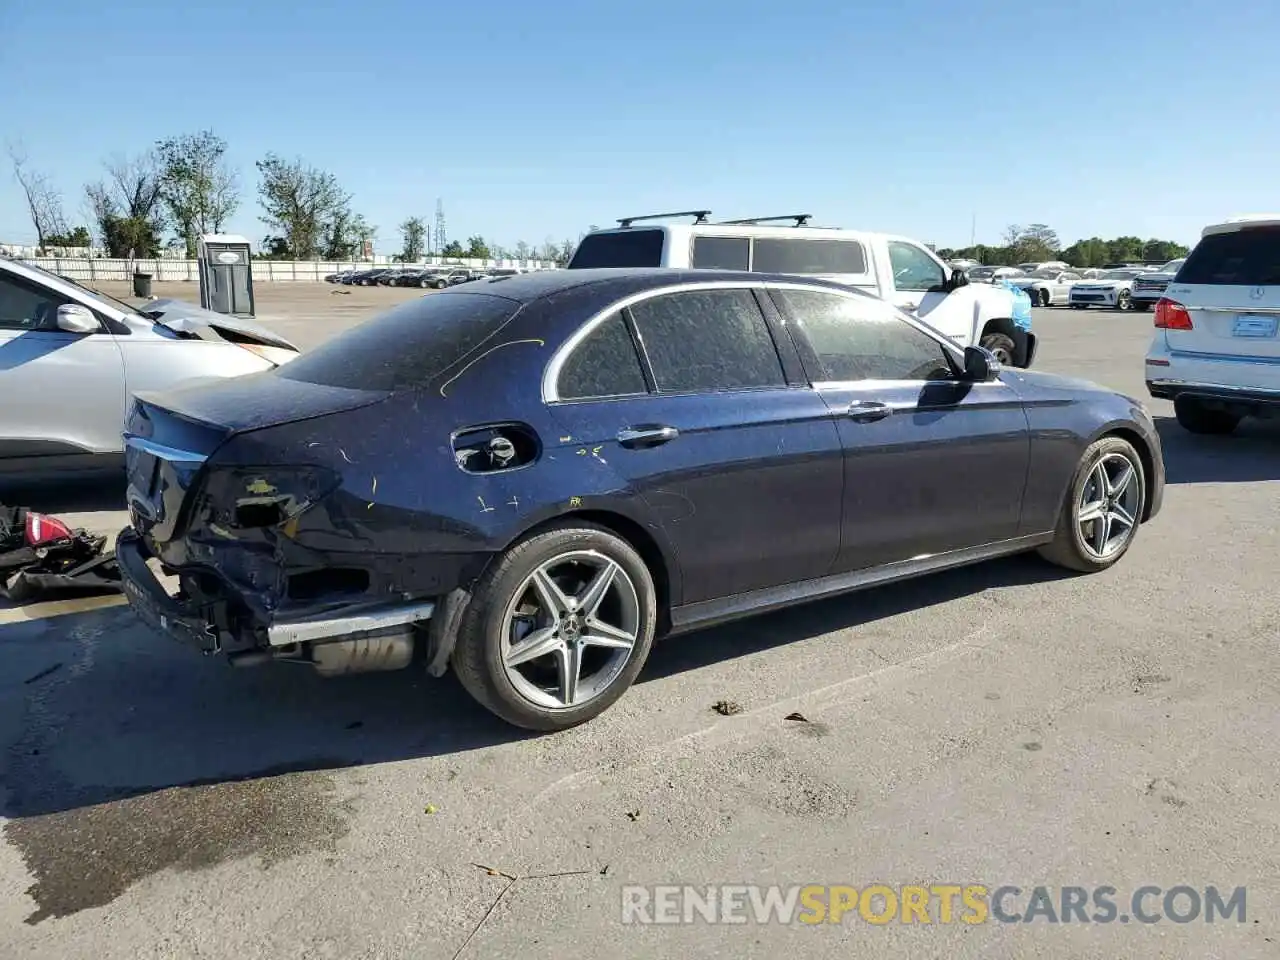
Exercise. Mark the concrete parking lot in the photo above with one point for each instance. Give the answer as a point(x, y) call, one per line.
point(1003, 724)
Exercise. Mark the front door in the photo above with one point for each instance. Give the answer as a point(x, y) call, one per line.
point(63, 393)
point(932, 463)
point(742, 469)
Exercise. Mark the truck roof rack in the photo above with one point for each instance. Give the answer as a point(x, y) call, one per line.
point(700, 216)
point(800, 218)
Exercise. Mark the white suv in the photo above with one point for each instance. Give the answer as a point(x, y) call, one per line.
point(900, 270)
point(1216, 353)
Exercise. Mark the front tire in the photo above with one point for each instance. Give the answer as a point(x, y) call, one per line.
point(1194, 417)
point(558, 628)
point(1124, 301)
point(1102, 510)
point(1043, 298)
point(1001, 344)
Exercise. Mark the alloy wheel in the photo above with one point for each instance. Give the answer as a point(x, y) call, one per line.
point(1106, 514)
point(570, 629)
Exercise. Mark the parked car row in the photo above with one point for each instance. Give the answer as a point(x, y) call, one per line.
point(1122, 287)
point(433, 277)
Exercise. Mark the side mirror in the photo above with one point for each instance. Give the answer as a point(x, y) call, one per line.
point(73, 318)
point(957, 280)
point(980, 365)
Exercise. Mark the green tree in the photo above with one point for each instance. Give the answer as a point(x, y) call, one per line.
point(453, 249)
point(1163, 250)
point(199, 188)
point(523, 250)
point(414, 232)
point(477, 248)
point(78, 237)
point(305, 207)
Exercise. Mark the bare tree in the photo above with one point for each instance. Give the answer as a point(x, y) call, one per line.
point(198, 187)
point(126, 205)
point(44, 204)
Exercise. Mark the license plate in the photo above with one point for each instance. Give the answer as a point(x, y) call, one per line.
point(1251, 325)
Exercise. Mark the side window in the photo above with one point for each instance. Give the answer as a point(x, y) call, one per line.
point(721, 253)
point(26, 306)
point(863, 340)
point(605, 364)
point(704, 340)
point(808, 256)
point(913, 269)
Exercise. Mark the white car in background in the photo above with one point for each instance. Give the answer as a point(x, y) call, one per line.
point(1112, 289)
point(1216, 348)
point(71, 358)
point(1047, 286)
point(993, 274)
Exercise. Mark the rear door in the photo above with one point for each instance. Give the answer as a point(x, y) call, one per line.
point(685, 395)
point(932, 463)
point(1230, 285)
point(63, 394)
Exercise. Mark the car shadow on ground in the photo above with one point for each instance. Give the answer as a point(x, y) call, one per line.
point(746, 637)
point(1250, 454)
point(105, 710)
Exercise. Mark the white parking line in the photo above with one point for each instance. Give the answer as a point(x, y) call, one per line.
point(58, 608)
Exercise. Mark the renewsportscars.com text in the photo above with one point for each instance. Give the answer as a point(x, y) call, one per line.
point(975, 903)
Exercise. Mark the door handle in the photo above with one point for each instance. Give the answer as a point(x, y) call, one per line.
point(646, 436)
point(909, 306)
point(868, 411)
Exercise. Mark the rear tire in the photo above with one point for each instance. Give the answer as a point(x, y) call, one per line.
point(1043, 298)
point(1141, 305)
point(1001, 344)
point(1079, 544)
point(498, 619)
point(1194, 417)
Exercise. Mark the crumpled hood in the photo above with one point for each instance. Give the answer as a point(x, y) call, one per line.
point(183, 317)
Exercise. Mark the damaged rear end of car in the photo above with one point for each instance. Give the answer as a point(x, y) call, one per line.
point(271, 519)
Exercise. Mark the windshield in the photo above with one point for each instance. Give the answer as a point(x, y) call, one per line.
point(982, 271)
point(127, 308)
point(1120, 274)
point(1173, 266)
point(1045, 274)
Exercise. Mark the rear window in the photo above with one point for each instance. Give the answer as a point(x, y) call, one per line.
point(808, 256)
point(405, 347)
point(1249, 258)
point(626, 248)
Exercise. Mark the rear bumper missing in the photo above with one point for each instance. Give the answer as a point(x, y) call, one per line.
point(351, 639)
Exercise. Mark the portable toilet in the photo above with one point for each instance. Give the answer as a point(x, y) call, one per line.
point(226, 274)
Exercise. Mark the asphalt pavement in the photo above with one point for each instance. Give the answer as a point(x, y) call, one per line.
point(999, 725)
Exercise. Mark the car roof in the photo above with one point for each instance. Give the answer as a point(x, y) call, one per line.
point(1232, 224)
point(528, 287)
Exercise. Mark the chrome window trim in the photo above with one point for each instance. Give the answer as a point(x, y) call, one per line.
point(551, 373)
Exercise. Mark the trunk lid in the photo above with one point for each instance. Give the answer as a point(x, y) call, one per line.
point(170, 435)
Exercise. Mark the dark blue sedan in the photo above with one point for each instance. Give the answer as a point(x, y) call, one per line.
point(531, 477)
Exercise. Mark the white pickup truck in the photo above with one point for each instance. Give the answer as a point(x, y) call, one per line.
point(898, 269)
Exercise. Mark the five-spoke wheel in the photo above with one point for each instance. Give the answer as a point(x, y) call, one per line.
point(1102, 509)
point(558, 628)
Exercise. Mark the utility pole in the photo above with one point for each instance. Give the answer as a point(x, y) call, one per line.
point(440, 239)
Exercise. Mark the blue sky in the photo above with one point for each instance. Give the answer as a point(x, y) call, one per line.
point(532, 120)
